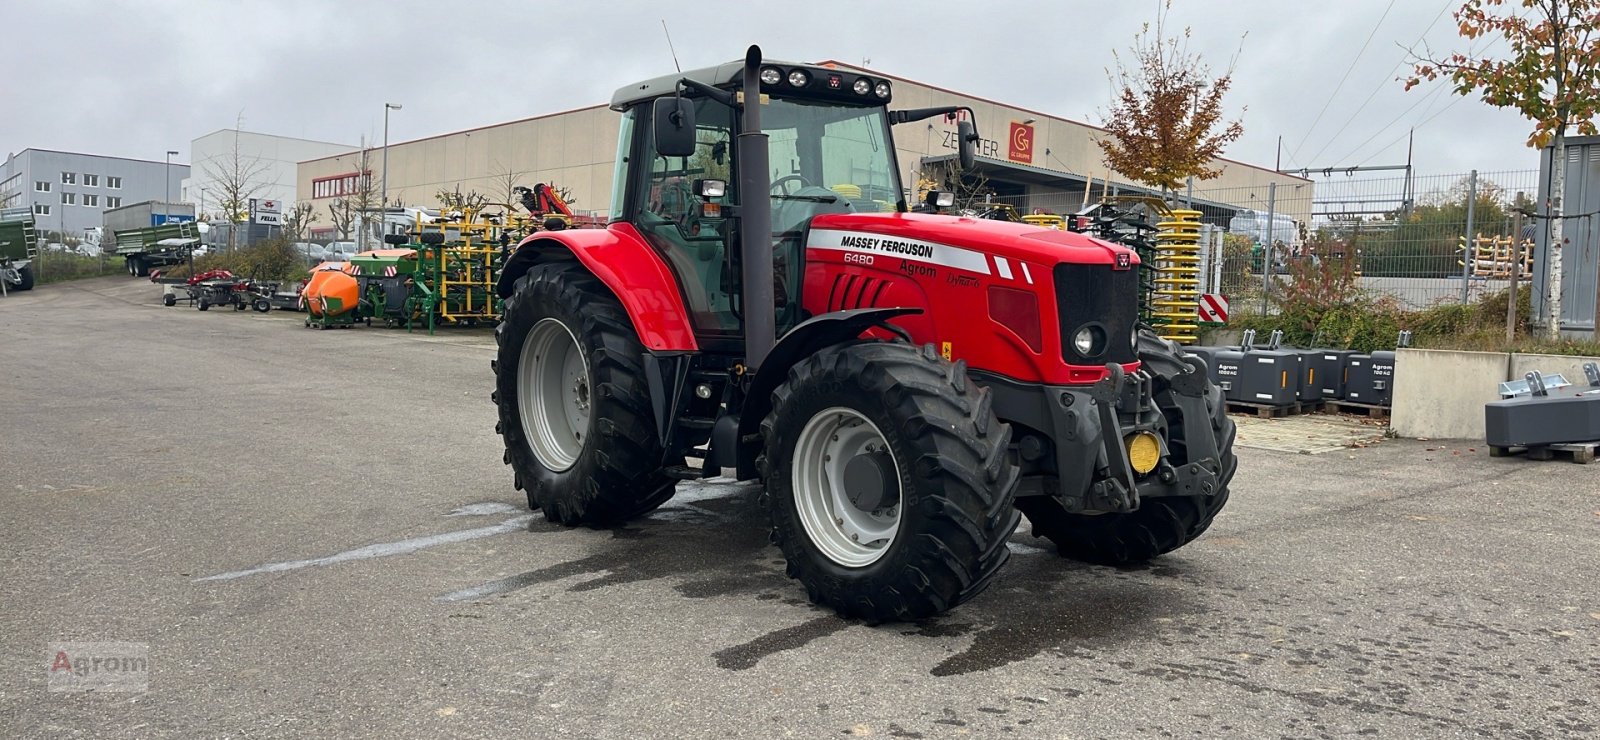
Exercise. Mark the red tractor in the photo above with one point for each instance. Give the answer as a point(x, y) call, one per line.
point(903, 384)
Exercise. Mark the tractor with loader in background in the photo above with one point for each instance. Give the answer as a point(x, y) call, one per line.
point(904, 385)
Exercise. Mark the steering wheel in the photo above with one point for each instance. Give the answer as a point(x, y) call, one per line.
point(780, 186)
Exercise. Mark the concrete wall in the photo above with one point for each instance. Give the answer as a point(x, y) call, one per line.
point(1439, 394)
point(1567, 365)
point(574, 150)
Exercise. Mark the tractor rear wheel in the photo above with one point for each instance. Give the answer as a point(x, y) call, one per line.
point(1159, 525)
point(887, 481)
point(574, 405)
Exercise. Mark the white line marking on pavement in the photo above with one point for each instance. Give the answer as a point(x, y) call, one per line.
point(485, 509)
point(403, 547)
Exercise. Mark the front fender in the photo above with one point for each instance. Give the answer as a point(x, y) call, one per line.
point(620, 257)
point(800, 342)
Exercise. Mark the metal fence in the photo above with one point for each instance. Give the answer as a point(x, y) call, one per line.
point(1420, 240)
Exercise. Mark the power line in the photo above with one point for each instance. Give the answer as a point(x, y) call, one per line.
point(1487, 42)
point(1342, 80)
point(1387, 79)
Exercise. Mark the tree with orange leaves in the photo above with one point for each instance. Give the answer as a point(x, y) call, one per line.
point(1166, 122)
point(1551, 75)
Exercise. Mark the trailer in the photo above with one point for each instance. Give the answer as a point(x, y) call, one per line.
point(19, 247)
point(152, 234)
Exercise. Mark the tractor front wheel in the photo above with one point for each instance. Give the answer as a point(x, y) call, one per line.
point(887, 481)
point(573, 400)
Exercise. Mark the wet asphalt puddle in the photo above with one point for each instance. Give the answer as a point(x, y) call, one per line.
point(710, 541)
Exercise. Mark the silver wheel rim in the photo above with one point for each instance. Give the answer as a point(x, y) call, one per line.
point(553, 394)
point(844, 533)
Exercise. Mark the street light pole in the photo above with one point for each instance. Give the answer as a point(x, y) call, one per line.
point(384, 204)
point(166, 210)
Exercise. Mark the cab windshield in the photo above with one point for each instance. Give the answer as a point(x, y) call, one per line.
point(826, 158)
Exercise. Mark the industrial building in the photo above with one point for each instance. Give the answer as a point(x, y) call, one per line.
point(1033, 160)
point(265, 164)
point(69, 192)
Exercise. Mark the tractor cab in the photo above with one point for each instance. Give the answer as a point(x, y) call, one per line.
point(829, 150)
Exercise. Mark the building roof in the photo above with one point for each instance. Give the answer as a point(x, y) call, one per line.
point(276, 136)
point(1029, 111)
point(96, 156)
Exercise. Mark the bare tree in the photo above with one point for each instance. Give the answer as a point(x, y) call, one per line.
point(236, 177)
point(298, 221)
point(355, 213)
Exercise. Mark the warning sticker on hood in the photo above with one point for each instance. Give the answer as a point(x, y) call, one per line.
point(932, 253)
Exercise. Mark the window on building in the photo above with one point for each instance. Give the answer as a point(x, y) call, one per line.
point(93, 201)
point(115, 183)
point(68, 199)
point(92, 181)
point(41, 186)
point(69, 178)
point(339, 185)
point(113, 201)
point(40, 209)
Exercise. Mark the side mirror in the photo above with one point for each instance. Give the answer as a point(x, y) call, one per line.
point(967, 151)
point(674, 127)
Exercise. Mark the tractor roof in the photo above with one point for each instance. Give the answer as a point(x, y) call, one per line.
point(727, 75)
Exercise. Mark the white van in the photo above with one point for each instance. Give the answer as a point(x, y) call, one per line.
point(1254, 225)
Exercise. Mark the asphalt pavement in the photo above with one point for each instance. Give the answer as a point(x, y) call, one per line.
point(311, 533)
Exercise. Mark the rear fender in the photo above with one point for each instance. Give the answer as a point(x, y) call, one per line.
point(628, 266)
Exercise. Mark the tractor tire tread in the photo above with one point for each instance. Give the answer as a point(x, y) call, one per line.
point(621, 477)
point(955, 543)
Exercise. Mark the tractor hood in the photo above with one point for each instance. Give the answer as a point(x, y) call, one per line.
point(1019, 241)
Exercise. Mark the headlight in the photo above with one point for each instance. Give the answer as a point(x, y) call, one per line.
point(881, 90)
point(862, 86)
point(799, 78)
point(771, 76)
point(1089, 340)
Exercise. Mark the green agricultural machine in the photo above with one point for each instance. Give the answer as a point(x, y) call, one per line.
point(388, 278)
point(19, 247)
point(454, 269)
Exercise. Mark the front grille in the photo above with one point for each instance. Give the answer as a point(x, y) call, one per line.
point(1099, 295)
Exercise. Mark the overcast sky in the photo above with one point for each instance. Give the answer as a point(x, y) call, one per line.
point(135, 79)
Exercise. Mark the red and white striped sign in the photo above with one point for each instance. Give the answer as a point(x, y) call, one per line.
point(1214, 308)
point(389, 271)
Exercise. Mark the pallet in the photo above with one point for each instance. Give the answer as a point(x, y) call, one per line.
point(1267, 411)
point(1373, 411)
point(1581, 453)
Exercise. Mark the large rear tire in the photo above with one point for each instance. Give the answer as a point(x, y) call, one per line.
point(887, 481)
point(26, 278)
point(574, 405)
point(1159, 525)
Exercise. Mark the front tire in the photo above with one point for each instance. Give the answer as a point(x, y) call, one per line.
point(1159, 525)
point(574, 405)
point(914, 519)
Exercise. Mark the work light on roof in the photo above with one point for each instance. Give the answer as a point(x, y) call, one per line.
point(862, 86)
point(771, 75)
point(799, 78)
point(881, 90)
